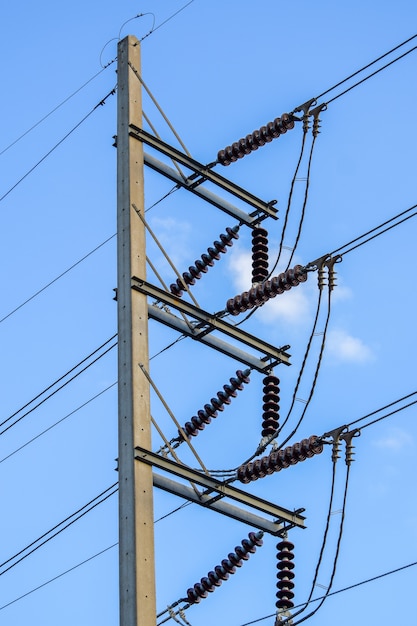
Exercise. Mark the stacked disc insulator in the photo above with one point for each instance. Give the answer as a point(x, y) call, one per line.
point(259, 255)
point(270, 407)
point(259, 294)
point(280, 459)
point(285, 575)
point(204, 416)
point(228, 566)
point(256, 139)
point(207, 260)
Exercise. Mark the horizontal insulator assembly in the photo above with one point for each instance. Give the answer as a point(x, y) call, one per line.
point(280, 459)
point(207, 260)
point(228, 566)
point(257, 139)
point(210, 411)
point(259, 294)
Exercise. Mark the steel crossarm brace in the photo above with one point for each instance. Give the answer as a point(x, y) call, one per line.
point(210, 321)
point(205, 172)
point(224, 490)
point(202, 192)
point(160, 315)
point(219, 506)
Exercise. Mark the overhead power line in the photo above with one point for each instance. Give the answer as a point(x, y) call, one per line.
point(57, 529)
point(99, 104)
point(39, 395)
point(54, 280)
point(365, 67)
point(51, 580)
point(58, 106)
point(343, 590)
point(58, 422)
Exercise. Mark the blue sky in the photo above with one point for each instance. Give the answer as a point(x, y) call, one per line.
point(218, 70)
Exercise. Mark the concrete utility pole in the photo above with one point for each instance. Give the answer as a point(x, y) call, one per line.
point(136, 533)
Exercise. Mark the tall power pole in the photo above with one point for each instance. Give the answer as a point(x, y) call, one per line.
point(137, 462)
point(136, 533)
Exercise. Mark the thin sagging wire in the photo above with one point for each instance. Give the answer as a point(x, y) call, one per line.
point(365, 67)
point(53, 392)
point(71, 519)
point(58, 422)
point(54, 280)
point(101, 103)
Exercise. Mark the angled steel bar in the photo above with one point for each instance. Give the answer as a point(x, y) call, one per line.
point(205, 172)
point(210, 321)
point(218, 506)
point(201, 192)
point(216, 343)
point(223, 489)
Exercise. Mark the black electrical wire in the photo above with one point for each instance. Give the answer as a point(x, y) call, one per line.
point(101, 103)
point(45, 117)
point(56, 390)
point(59, 379)
point(371, 75)
point(58, 422)
point(71, 519)
point(373, 230)
point(51, 580)
point(365, 67)
point(303, 209)
point(57, 278)
point(167, 20)
point(344, 589)
point(287, 211)
point(303, 607)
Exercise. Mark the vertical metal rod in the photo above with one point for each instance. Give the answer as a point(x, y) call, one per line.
point(136, 533)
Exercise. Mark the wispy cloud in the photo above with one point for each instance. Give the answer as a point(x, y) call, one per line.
point(395, 440)
point(345, 347)
point(174, 236)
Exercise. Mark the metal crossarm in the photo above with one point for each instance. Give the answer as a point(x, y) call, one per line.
point(223, 489)
point(203, 171)
point(211, 323)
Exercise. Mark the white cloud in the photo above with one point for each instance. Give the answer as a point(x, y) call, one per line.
point(395, 440)
point(174, 236)
point(347, 348)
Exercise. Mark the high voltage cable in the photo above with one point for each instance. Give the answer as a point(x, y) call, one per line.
point(371, 75)
point(57, 277)
point(67, 521)
point(45, 117)
point(361, 243)
point(59, 388)
point(101, 103)
point(333, 593)
point(74, 93)
point(58, 422)
point(71, 569)
point(365, 67)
